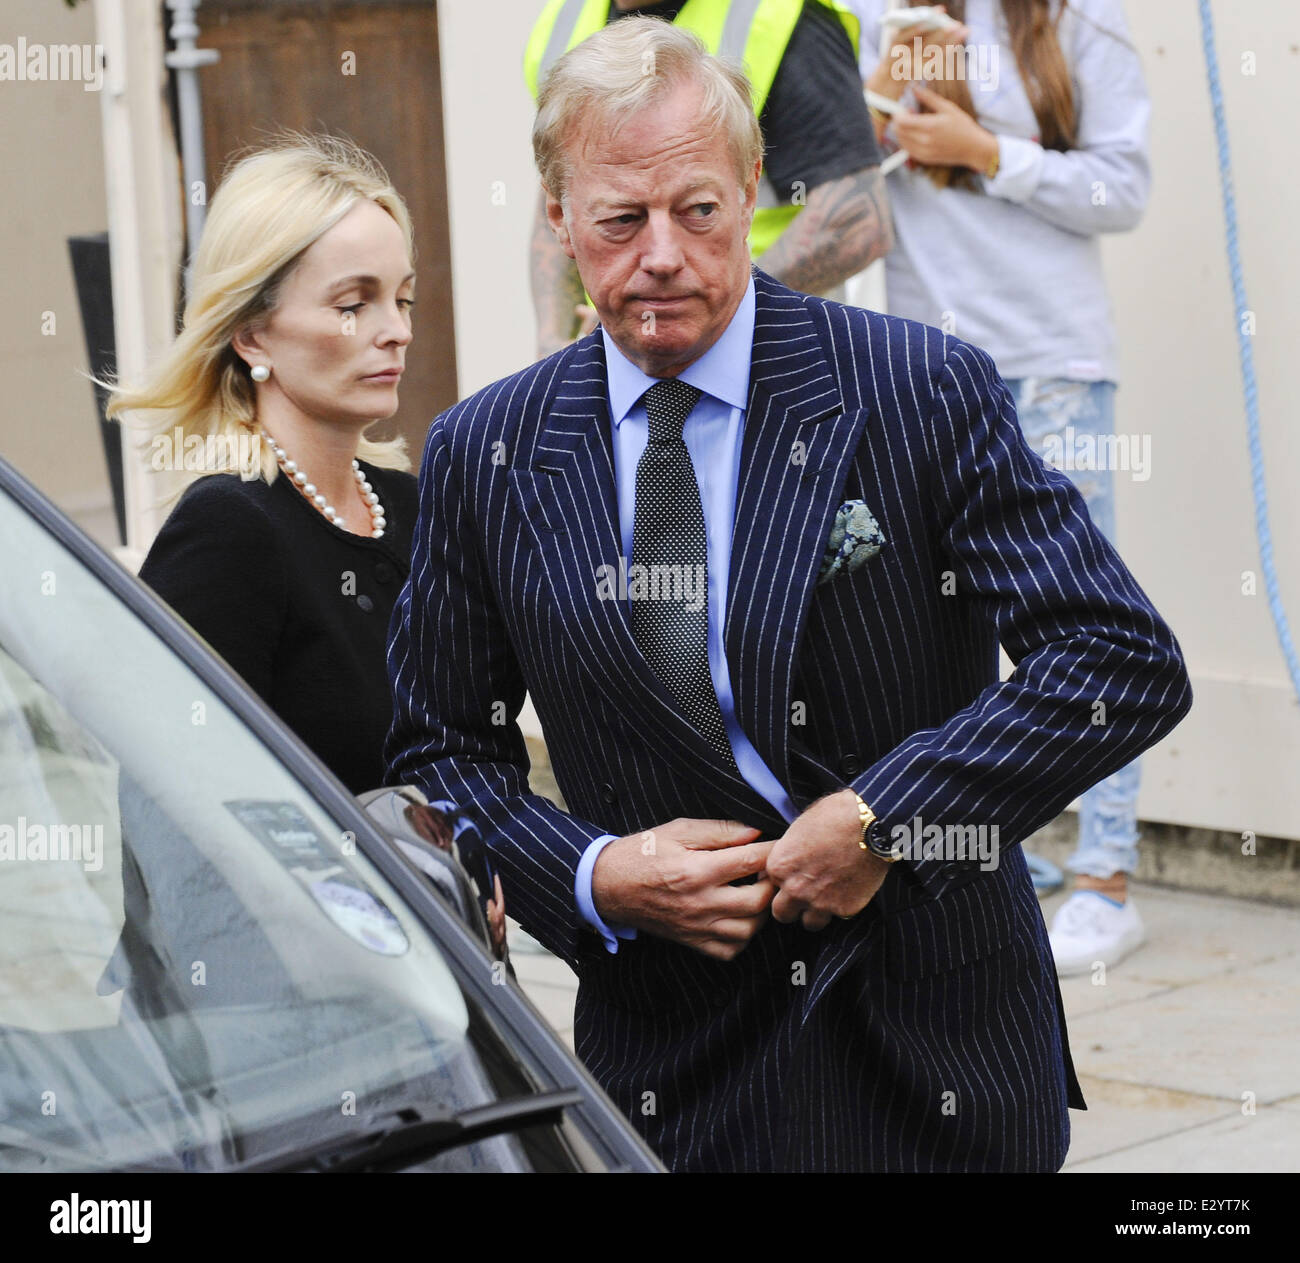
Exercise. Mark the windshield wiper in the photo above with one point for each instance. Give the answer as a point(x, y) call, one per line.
point(416, 1137)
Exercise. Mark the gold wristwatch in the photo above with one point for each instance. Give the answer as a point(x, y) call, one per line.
point(873, 839)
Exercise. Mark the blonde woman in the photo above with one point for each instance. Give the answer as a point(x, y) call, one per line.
point(293, 345)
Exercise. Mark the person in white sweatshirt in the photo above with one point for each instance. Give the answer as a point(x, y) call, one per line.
point(1026, 129)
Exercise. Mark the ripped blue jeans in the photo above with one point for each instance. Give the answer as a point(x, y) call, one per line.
point(1046, 406)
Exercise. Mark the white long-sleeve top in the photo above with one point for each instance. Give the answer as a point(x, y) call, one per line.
point(1016, 267)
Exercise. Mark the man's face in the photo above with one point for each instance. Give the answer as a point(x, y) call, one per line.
point(657, 226)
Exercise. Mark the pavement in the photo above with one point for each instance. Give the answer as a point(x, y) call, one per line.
point(1188, 1051)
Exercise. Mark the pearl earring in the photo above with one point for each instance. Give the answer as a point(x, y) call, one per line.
point(259, 372)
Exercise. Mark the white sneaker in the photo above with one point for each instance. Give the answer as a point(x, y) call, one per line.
point(1088, 928)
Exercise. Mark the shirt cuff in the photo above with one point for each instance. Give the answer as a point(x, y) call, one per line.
point(587, 905)
point(459, 823)
point(1020, 168)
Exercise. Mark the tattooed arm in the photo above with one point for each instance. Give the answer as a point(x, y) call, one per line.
point(557, 290)
point(844, 226)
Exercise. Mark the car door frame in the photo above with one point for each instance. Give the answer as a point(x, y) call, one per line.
point(604, 1127)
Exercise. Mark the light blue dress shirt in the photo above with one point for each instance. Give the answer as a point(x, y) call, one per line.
point(712, 434)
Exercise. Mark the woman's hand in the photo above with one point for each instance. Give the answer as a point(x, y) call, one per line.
point(496, 918)
point(895, 69)
point(944, 136)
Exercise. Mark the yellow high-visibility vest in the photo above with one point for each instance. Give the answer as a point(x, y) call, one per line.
point(753, 32)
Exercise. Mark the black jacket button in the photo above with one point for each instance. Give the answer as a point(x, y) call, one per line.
point(385, 573)
point(850, 765)
point(608, 793)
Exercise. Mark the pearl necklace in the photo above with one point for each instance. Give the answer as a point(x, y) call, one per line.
point(299, 479)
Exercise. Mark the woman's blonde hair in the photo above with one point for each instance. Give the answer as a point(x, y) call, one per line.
point(272, 203)
point(627, 66)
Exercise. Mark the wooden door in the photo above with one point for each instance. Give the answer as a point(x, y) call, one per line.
point(285, 64)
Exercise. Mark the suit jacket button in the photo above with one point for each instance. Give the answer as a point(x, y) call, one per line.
point(384, 572)
point(607, 793)
point(850, 765)
point(365, 604)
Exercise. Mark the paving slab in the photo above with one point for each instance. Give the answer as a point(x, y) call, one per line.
point(1191, 936)
point(1122, 1115)
point(1083, 995)
point(555, 1003)
point(545, 969)
point(1235, 1032)
point(1265, 1141)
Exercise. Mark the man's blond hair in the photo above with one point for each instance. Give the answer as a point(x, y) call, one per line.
point(622, 69)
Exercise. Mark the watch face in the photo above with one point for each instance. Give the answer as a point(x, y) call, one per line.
point(878, 840)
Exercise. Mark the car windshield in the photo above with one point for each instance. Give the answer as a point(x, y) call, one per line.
point(195, 958)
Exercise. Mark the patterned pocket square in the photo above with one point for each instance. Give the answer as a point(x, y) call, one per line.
point(854, 540)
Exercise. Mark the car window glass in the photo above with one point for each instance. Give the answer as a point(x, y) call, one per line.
point(195, 959)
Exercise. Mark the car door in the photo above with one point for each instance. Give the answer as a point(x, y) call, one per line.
point(210, 956)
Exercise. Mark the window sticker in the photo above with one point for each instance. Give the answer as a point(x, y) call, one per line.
point(320, 869)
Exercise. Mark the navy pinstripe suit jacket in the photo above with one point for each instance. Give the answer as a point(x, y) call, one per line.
point(927, 1032)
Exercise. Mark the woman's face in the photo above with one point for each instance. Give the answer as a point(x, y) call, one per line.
point(344, 315)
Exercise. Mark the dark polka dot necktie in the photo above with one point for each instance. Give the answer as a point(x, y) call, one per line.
point(669, 544)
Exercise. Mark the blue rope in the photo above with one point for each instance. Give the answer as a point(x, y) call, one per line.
point(1247, 357)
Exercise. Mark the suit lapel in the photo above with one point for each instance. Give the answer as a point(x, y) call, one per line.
point(568, 495)
point(797, 448)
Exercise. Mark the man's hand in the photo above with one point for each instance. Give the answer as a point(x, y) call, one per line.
point(672, 881)
point(819, 867)
point(496, 918)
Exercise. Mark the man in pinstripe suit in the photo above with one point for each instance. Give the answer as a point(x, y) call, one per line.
point(789, 958)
